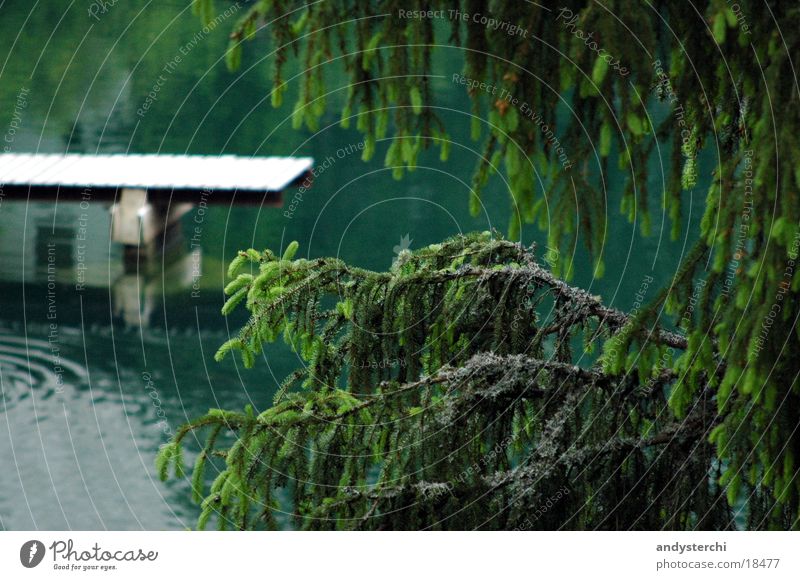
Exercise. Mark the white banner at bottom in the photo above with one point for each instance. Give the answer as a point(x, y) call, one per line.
point(401, 555)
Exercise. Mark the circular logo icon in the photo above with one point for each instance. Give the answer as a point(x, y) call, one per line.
point(31, 553)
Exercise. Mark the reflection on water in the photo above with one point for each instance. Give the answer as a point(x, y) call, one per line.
point(101, 359)
point(33, 236)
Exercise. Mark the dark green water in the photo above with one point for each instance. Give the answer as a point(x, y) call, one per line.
point(94, 380)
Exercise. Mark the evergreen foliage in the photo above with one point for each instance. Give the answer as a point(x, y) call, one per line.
point(453, 391)
point(730, 88)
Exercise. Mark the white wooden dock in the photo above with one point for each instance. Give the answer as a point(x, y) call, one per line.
point(193, 173)
point(148, 192)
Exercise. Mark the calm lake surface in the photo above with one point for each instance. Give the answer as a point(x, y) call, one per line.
point(94, 380)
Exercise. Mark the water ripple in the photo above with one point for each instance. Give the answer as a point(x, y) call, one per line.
point(32, 365)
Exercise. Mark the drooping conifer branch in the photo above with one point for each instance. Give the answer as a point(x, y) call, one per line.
point(429, 406)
